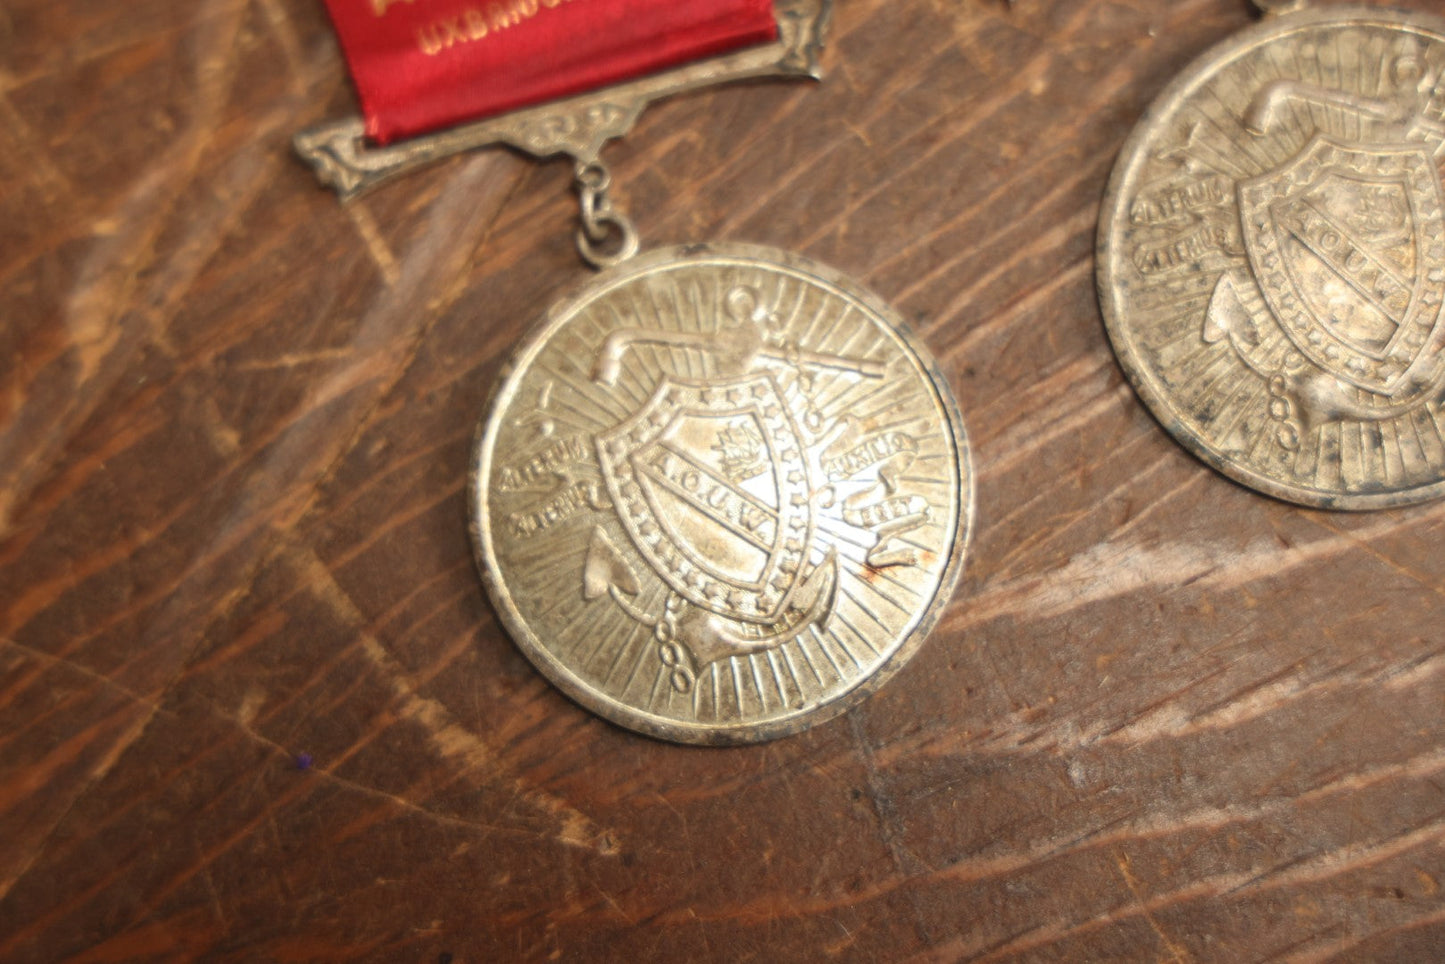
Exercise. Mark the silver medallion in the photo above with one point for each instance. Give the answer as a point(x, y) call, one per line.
point(1272, 257)
point(720, 494)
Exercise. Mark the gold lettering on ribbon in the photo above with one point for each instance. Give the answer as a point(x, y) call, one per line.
point(474, 23)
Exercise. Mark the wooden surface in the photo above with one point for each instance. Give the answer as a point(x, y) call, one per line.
point(1164, 720)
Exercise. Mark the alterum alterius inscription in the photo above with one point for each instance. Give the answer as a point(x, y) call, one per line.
point(721, 495)
point(1273, 258)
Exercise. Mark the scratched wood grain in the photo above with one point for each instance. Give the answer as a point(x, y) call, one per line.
point(1165, 719)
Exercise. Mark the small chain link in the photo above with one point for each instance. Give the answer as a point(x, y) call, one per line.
point(607, 237)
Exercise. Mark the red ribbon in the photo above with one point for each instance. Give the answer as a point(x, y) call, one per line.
point(421, 65)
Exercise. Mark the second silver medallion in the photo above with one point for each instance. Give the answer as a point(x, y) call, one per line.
point(1272, 257)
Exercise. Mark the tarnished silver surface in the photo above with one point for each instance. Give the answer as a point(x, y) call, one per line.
point(1272, 257)
point(577, 126)
point(720, 494)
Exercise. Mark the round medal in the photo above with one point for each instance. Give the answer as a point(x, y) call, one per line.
point(720, 495)
point(1272, 258)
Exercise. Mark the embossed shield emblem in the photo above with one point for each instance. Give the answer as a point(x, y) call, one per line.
point(1348, 245)
point(711, 484)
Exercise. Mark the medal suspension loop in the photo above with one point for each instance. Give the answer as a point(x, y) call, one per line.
point(607, 237)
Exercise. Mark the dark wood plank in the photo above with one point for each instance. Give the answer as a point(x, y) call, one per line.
point(1165, 719)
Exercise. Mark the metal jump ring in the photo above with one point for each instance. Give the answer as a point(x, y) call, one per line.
point(607, 225)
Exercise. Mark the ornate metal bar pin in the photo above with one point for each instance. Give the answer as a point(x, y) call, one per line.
point(578, 127)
